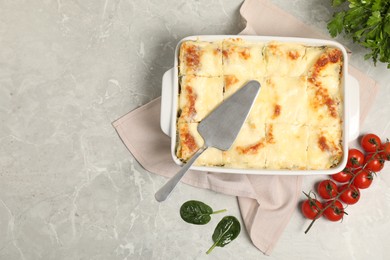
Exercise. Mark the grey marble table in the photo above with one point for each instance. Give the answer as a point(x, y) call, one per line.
point(69, 189)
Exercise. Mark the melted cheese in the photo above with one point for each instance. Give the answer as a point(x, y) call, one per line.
point(232, 83)
point(190, 141)
point(199, 96)
point(285, 59)
point(324, 147)
point(286, 146)
point(328, 63)
point(240, 57)
point(312, 54)
point(201, 58)
point(289, 103)
point(248, 150)
point(325, 103)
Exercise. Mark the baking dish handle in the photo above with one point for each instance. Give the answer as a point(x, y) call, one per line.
point(166, 102)
point(353, 106)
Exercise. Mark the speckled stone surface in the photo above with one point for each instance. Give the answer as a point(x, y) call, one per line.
point(69, 189)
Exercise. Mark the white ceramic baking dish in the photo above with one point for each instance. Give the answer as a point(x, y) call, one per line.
point(350, 86)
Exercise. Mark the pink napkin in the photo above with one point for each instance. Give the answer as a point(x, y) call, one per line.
point(266, 202)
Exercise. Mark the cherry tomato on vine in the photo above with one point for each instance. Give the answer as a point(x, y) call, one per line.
point(349, 195)
point(374, 162)
point(311, 208)
point(355, 158)
point(334, 212)
point(343, 176)
point(363, 179)
point(370, 143)
point(327, 189)
point(385, 153)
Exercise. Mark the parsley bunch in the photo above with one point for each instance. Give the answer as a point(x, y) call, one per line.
point(367, 22)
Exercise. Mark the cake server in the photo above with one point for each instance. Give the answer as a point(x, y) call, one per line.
point(219, 129)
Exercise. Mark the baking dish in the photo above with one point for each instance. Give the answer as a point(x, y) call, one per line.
point(350, 92)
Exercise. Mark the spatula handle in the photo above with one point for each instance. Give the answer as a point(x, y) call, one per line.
point(163, 193)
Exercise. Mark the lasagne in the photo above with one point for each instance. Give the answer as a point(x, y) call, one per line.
point(190, 141)
point(295, 122)
point(198, 96)
point(201, 59)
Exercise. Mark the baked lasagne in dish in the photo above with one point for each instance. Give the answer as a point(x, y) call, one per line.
point(296, 120)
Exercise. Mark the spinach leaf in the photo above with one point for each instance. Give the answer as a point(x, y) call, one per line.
point(225, 232)
point(197, 212)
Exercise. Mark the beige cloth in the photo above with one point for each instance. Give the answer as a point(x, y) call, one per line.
point(266, 202)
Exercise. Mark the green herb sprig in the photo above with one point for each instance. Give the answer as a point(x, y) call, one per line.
point(367, 23)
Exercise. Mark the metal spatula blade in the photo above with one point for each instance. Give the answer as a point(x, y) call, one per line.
point(219, 129)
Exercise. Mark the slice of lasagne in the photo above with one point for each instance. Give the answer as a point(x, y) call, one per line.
point(248, 150)
point(199, 96)
point(285, 59)
point(190, 141)
point(324, 97)
point(288, 98)
point(243, 58)
point(327, 62)
point(261, 106)
point(324, 147)
point(286, 146)
point(200, 58)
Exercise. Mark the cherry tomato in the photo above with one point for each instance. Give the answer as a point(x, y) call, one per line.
point(363, 179)
point(334, 212)
point(349, 195)
point(374, 163)
point(371, 143)
point(327, 189)
point(385, 153)
point(343, 176)
point(355, 158)
point(311, 208)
